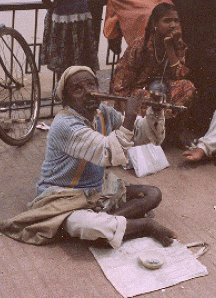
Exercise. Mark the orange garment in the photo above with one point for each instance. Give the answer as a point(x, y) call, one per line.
point(132, 16)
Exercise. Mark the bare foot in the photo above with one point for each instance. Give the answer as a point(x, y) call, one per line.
point(153, 229)
point(194, 154)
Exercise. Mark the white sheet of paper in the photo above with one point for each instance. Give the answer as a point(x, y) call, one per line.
point(130, 278)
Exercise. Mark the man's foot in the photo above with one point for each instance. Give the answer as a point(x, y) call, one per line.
point(164, 235)
point(148, 227)
point(195, 154)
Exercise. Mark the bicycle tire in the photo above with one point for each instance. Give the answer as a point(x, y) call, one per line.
point(19, 106)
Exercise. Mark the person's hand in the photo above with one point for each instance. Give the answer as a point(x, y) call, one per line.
point(168, 41)
point(177, 38)
point(132, 108)
point(176, 34)
point(196, 154)
point(174, 38)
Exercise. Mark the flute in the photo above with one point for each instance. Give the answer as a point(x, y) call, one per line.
point(146, 101)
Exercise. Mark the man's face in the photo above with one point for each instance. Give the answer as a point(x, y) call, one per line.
point(168, 23)
point(77, 88)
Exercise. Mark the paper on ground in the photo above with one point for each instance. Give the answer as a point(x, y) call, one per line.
point(130, 278)
point(43, 126)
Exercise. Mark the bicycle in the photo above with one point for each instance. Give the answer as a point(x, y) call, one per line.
point(19, 88)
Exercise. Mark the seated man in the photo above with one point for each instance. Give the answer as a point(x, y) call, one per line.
point(73, 192)
point(206, 146)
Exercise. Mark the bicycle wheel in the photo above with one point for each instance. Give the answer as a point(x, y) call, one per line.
point(19, 88)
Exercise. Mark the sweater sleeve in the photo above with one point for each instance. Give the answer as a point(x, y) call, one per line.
point(90, 145)
point(208, 141)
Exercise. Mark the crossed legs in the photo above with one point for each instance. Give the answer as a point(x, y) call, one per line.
point(123, 223)
point(140, 200)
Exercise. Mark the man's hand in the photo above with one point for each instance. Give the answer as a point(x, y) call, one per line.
point(133, 107)
point(196, 154)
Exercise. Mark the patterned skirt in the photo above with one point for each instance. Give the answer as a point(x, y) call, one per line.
point(67, 43)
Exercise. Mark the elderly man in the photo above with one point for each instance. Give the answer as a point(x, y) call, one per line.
point(73, 192)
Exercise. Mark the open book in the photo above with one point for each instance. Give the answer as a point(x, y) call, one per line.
point(147, 159)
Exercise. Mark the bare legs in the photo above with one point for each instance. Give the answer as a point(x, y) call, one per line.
point(148, 227)
point(140, 200)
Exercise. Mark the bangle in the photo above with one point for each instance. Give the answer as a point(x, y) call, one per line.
point(175, 64)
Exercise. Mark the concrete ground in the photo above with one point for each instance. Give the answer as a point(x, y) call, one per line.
point(67, 269)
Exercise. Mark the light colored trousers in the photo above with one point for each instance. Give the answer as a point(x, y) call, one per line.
point(90, 225)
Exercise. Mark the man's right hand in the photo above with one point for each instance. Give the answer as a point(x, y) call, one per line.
point(133, 107)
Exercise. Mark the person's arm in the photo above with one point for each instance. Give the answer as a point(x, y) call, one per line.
point(111, 29)
point(90, 145)
point(208, 142)
point(150, 129)
point(85, 143)
point(175, 49)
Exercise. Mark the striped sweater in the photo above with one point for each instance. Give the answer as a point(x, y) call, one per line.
point(72, 138)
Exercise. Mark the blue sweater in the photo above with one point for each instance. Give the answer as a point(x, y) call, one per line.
point(59, 166)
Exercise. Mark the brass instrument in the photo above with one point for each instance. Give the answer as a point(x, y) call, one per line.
point(147, 101)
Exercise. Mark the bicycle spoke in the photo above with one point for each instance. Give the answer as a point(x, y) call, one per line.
point(19, 89)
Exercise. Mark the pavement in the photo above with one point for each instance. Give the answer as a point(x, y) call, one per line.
point(67, 269)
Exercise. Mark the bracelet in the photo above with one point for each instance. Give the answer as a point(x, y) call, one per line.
point(175, 64)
